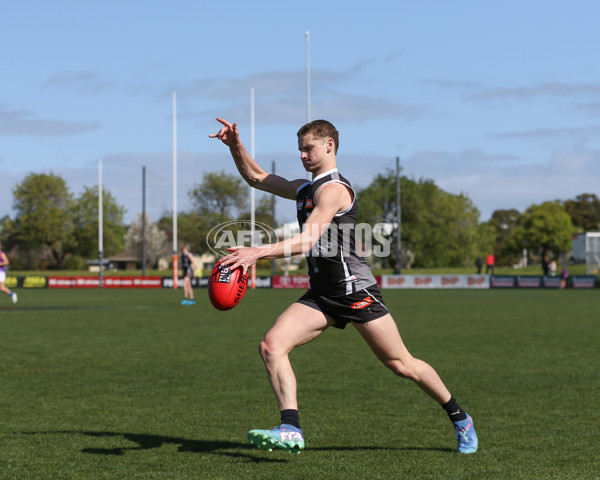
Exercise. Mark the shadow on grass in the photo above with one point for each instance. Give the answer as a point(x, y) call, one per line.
point(147, 442)
point(42, 308)
point(393, 449)
point(217, 447)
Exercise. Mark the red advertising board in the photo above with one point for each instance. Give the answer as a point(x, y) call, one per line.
point(108, 282)
point(295, 281)
point(72, 282)
point(132, 282)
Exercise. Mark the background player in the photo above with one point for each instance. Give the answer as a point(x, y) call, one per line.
point(188, 266)
point(3, 265)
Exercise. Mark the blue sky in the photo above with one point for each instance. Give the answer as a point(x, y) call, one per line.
point(496, 100)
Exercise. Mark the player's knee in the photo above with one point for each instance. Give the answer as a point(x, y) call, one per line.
point(401, 369)
point(271, 349)
point(267, 350)
point(262, 350)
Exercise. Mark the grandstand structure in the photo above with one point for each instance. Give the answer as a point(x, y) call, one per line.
point(585, 247)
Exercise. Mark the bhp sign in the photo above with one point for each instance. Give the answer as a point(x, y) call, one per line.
point(435, 281)
point(478, 281)
point(395, 281)
point(296, 281)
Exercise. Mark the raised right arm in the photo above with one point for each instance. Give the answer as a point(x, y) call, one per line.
point(251, 171)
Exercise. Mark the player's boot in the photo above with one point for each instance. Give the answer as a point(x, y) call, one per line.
point(466, 436)
point(185, 301)
point(191, 302)
point(285, 437)
point(14, 297)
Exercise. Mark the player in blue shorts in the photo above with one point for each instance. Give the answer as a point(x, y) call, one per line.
point(3, 266)
point(342, 288)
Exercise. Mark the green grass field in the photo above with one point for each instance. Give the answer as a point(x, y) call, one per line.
point(118, 384)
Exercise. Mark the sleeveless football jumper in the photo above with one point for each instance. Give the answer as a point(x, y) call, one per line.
point(334, 267)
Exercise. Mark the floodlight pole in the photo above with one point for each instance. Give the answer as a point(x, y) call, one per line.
point(398, 266)
point(143, 221)
point(273, 262)
point(308, 112)
point(308, 100)
point(100, 228)
point(252, 191)
point(175, 266)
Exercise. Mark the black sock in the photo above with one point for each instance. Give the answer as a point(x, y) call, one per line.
point(455, 413)
point(291, 417)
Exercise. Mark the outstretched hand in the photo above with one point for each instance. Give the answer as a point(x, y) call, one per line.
point(241, 256)
point(229, 134)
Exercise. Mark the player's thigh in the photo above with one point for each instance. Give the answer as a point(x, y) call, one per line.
point(383, 337)
point(297, 325)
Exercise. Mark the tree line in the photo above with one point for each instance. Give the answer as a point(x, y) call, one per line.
point(52, 228)
point(440, 229)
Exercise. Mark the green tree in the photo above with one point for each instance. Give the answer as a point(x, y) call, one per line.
point(263, 211)
point(157, 244)
point(9, 239)
point(377, 204)
point(486, 236)
point(219, 196)
point(85, 221)
point(585, 212)
point(502, 223)
point(192, 228)
point(43, 204)
point(438, 228)
point(542, 228)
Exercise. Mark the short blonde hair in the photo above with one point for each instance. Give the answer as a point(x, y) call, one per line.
point(321, 129)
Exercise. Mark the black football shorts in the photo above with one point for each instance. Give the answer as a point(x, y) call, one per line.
point(359, 307)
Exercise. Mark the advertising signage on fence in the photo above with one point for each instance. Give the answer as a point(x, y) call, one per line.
point(502, 281)
point(132, 282)
point(295, 281)
point(435, 281)
point(108, 282)
point(584, 281)
point(551, 282)
point(34, 281)
point(167, 282)
point(72, 282)
point(537, 281)
point(302, 281)
point(30, 281)
point(262, 282)
point(529, 282)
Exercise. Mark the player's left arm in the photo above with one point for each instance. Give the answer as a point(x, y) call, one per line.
point(330, 200)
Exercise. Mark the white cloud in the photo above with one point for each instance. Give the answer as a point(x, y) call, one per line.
point(580, 161)
point(82, 82)
point(504, 181)
point(543, 133)
point(552, 89)
point(25, 122)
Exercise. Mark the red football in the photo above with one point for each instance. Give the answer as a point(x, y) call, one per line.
point(226, 287)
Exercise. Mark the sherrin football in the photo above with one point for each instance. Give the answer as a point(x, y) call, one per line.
point(226, 286)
